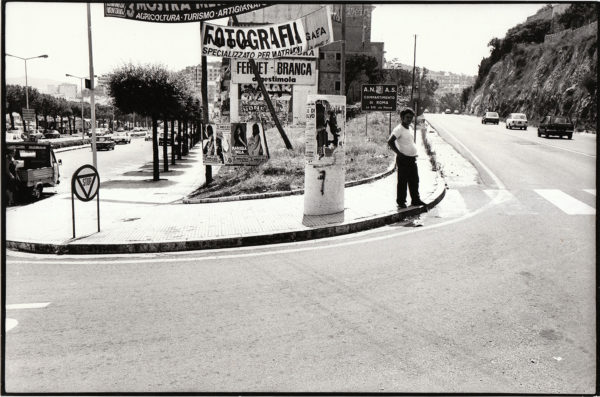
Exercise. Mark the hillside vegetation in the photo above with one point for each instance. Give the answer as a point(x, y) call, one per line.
point(538, 72)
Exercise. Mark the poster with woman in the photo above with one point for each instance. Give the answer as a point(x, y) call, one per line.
point(247, 142)
point(325, 129)
point(212, 145)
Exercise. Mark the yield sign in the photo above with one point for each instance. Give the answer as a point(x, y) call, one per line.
point(85, 183)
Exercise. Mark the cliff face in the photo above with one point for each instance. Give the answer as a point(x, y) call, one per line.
point(557, 76)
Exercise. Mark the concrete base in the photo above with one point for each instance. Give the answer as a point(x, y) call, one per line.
point(324, 189)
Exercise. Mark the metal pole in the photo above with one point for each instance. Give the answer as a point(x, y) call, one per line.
point(98, 204)
point(92, 103)
point(204, 92)
point(26, 86)
point(343, 53)
point(390, 123)
point(82, 123)
point(366, 124)
point(413, 74)
point(73, 209)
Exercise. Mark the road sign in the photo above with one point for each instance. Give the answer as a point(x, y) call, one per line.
point(28, 114)
point(85, 183)
point(379, 97)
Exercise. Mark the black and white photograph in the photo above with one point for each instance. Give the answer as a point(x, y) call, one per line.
point(241, 198)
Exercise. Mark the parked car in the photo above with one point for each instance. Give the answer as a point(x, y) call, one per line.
point(52, 134)
point(516, 120)
point(36, 166)
point(448, 111)
point(105, 143)
point(121, 137)
point(490, 117)
point(456, 112)
point(35, 136)
point(556, 125)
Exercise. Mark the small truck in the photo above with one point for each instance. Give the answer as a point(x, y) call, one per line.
point(36, 166)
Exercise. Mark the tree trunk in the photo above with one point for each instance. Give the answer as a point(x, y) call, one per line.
point(179, 139)
point(12, 120)
point(173, 142)
point(165, 145)
point(155, 158)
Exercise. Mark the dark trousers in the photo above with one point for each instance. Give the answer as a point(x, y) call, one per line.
point(408, 174)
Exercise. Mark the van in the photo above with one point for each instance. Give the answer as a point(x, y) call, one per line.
point(36, 166)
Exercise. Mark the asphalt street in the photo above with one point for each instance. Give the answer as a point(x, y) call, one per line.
point(494, 293)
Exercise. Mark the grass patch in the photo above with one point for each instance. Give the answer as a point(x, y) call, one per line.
point(366, 155)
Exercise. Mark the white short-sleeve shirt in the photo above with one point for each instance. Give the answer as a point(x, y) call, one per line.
point(404, 141)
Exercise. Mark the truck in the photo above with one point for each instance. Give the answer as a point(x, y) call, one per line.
point(36, 166)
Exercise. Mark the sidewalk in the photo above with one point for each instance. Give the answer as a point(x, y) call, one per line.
point(137, 215)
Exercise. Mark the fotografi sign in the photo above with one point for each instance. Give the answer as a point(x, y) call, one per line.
point(379, 97)
point(281, 71)
point(176, 12)
point(292, 38)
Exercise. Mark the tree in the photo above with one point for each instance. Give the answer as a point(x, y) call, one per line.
point(464, 96)
point(579, 14)
point(358, 65)
point(450, 101)
point(149, 91)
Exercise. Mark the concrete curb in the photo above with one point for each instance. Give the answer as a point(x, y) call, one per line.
point(68, 248)
point(294, 192)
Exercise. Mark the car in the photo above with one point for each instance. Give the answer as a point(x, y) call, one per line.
point(490, 117)
point(14, 136)
point(456, 112)
point(104, 143)
point(122, 137)
point(148, 136)
point(448, 111)
point(556, 125)
point(516, 120)
point(52, 134)
point(34, 136)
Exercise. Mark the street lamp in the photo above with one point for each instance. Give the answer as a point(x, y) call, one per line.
point(26, 84)
point(82, 120)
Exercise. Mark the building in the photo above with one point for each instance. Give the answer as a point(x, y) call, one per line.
point(193, 77)
point(69, 90)
point(450, 83)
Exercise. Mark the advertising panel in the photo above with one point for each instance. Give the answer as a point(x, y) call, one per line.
point(235, 144)
point(285, 39)
point(283, 71)
point(176, 12)
point(379, 97)
point(325, 132)
point(253, 107)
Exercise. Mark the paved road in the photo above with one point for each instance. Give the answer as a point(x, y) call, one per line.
point(495, 293)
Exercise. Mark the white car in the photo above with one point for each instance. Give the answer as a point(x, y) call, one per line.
point(516, 120)
point(121, 137)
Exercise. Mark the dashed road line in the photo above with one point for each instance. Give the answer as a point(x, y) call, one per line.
point(18, 306)
point(590, 191)
point(566, 203)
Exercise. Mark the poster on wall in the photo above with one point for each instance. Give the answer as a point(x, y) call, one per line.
point(253, 107)
point(283, 71)
point(325, 132)
point(214, 147)
point(246, 144)
point(292, 38)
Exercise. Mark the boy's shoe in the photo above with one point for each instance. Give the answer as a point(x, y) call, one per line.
point(400, 206)
point(417, 203)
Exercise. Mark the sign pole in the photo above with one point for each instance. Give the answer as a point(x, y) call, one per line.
point(366, 124)
point(73, 207)
point(204, 91)
point(92, 104)
point(390, 123)
point(98, 205)
point(263, 89)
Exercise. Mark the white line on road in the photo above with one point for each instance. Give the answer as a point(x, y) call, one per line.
point(590, 191)
point(566, 203)
point(18, 306)
point(11, 323)
point(453, 205)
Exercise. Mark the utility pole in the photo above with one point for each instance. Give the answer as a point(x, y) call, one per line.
point(92, 101)
point(412, 89)
point(204, 91)
point(343, 55)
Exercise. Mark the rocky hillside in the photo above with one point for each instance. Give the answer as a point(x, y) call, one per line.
point(556, 75)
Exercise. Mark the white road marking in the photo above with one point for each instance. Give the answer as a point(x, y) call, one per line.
point(11, 323)
point(566, 203)
point(511, 205)
point(590, 191)
point(452, 205)
point(18, 306)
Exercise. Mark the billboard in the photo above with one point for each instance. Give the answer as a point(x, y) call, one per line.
point(253, 107)
point(234, 144)
point(282, 71)
point(325, 132)
point(379, 97)
point(292, 38)
point(176, 12)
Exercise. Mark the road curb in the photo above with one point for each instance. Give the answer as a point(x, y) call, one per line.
point(294, 192)
point(231, 242)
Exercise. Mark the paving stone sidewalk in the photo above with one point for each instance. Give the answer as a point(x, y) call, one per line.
point(151, 217)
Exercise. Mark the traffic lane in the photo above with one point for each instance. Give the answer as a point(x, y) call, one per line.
point(518, 162)
point(112, 164)
point(466, 308)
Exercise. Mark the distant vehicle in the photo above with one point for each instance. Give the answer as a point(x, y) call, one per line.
point(138, 131)
point(490, 117)
point(121, 137)
point(37, 166)
point(104, 143)
point(556, 125)
point(148, 136)
point(426, 111)
point(448, 111)
point(456, 112)
point(35, 136)
point(120, 129)
point(14, 136)
point(516, 120)
point(52, 134)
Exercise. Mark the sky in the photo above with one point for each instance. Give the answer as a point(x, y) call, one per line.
point(450, 37)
